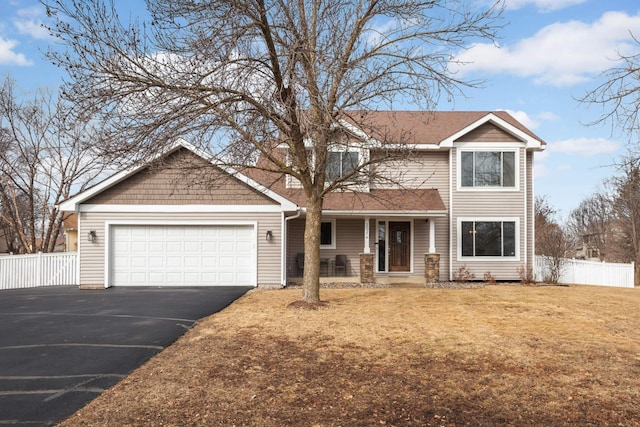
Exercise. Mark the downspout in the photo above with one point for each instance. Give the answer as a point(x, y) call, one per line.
point(283, 255)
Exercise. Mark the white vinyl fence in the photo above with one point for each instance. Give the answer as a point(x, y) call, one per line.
point(29, 271)
point(580, 272)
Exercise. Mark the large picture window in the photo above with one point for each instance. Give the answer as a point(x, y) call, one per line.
point(488, 238)
point(488, 168)
point(341, 164)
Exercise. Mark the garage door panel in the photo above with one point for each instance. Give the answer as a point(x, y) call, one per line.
point(172, 255)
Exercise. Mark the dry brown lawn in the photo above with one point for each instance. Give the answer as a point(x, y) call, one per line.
point(499, 355)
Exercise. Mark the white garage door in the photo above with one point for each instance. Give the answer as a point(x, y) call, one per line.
point(178, 255)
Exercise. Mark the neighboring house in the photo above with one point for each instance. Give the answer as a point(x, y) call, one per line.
point(588, 250)
point(70, 227)
point(4, 245)
point(466, 201)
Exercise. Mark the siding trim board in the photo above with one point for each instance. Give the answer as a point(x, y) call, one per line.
point(180, 208)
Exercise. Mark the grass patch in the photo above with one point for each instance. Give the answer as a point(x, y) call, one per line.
point(499, 355)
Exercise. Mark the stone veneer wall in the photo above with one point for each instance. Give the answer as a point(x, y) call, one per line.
point(366, 268)
point(432, 268)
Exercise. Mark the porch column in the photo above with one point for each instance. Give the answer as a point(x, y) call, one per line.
point(366, 268)
point(432, 268)
point(367, 245)
point(432, 236)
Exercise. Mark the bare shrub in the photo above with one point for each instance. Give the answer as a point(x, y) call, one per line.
point(489, 278)
point(463, 274)
point(526, 274)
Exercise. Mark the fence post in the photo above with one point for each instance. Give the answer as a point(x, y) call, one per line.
point(39, 269)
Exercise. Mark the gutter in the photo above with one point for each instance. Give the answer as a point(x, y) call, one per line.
point(283, 254)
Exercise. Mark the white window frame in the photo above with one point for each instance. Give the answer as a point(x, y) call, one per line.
point(333, 234)
point(343, 152)
point(515, 220)
point(488, 148)
point(363, 157)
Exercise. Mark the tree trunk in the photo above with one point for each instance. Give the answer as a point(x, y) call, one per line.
point(311, 277)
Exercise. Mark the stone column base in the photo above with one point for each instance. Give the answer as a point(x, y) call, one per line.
point(366, 268)
point(432, 268)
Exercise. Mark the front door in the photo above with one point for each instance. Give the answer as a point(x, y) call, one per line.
point(399, 246)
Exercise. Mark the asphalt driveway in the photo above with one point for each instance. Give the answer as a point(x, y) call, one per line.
point(60, 347)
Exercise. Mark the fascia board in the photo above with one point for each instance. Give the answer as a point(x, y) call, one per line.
point(530, 142)
point(380, 213)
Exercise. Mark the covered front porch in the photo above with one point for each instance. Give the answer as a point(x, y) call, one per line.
point(383, 248)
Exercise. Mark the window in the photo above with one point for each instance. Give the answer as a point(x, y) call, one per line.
point(328, 234)
point(488, 238)
point(341, 163)
point(488, 168)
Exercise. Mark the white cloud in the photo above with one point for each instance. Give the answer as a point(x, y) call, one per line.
point(584, 147)
point(542, 5)
point(8, 56)
point(560, 54)
point(524, 118)
point(532, 122)
point(547, 116)
point(29, 22)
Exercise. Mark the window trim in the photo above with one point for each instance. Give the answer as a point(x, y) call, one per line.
point(493, 148)
point(515, 220)
point(333, 234)
point(342, 151)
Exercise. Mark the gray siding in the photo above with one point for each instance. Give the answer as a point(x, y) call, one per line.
point(482, 203)
point(92, 264)
point(426, 169)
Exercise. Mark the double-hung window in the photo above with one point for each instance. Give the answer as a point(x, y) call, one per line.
point(488, 169)
point(341, 164)
point(488, 238)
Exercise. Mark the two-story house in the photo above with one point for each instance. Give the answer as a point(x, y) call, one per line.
point(463, 200)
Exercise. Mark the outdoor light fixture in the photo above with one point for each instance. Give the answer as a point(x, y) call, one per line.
point(92, 236)
point(269, 235)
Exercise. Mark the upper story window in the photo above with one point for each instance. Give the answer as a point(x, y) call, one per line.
point(488, 169)
point(341, 163)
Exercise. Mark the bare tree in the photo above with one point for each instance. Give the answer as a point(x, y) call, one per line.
point(592, 224)
point(43, 160)
point(619, 95)
point(552, 241)
point(627, 211)
point(242, 77)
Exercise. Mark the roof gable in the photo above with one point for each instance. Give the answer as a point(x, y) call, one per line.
point(181, 178)
point(116, 189)
point(488, 132)
point(436, 128)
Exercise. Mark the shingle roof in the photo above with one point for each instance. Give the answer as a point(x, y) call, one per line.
point(423, 127)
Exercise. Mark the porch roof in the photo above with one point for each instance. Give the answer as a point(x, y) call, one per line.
point(422, 201)
point(397, 201)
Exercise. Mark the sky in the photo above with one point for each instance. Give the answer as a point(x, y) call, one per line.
point(549, 53)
